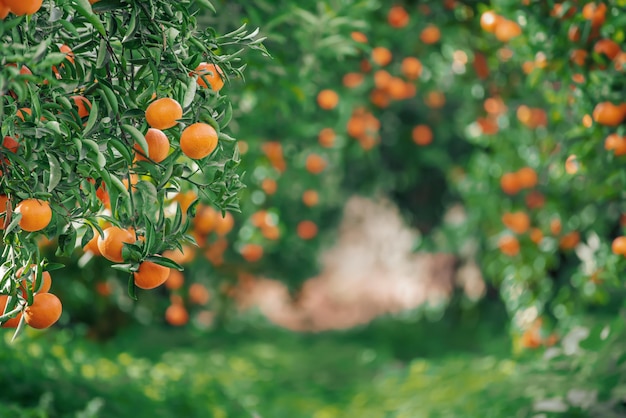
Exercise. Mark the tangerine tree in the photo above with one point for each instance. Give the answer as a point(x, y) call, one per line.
point(109, 110)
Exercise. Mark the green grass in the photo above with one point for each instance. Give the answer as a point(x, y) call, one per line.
point(387, 369)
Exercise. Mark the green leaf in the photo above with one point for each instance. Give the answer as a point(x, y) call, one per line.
point(84, 8)
point(137, 136)
point(164, 261)
point(190, 93)
point(55, 172)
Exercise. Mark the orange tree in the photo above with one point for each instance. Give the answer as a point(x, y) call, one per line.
point(109, 110)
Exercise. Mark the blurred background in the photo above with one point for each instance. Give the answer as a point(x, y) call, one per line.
point(425, 231)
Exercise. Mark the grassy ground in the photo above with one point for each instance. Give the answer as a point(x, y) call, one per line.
point(388, 369)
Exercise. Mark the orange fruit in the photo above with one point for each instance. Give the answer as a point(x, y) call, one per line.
point(382, 79)
point(150, 275)
point(578, 56)
point(615, 143)
point(46, 281)
point(398, 17)
point(176, 315)
point(199, 294)
point(4, 10)
point(211, 73)
point(112, 242)
point(327, 99)
point(555, 226)
point(23, 7)
point(411, 68)
point(271, 232)
point(352, 80)
point(92, 245)
point(536, 235)
point(510, 183)
point(315, 164)
point(205, 219)
point(596, 13)
point(326, 137)
point(158, 146)
point(509, 245)
point(422, 135)
point(183, 256)
point(198, 140)
point(489, 20)
point(269, 186)
point(481, 66)
point(359, 37)
point(571, 165)
point(13, 322)
point(430, 34)
point(310, 198)
point(569, 240)
point(82, 104)
point(163, 113)
point(527, 177)
point(381, 56)
point(507, 30)
point(435, 99)
point(251, 252)
point(518, 222)
point(10, 144)
point(68, 52)
point(619, 245)
point(36, 214)
point(606, 113)
point(223, 225)
point(175, 280)
point(44, 312)
point(24, 110)
point(307, 230)
point(607, 47)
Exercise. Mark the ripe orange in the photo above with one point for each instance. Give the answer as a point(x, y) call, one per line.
point(536, 235)
point(422, 135)
point(10, 144)
point(13, 322)
point(489, 20)
point(44, 312)
point(381, 56)
point(36, 214)
point(223, 225)
point(175, 280)
point(271, 232)
point(572, 165)
point(198, 140)
point(307, 229)
point(326, 137)
point(510, 183)
point(569, 240)
point(352, 80)
point(269, 186)
point(619, 246)
point(430, 35)
point(398, 17)
point(158, 146)
point(596, 13)
point(211, 73)
point(509, 245)
point(23, 7)
point(310, 198)
point(176, 315)
point(606, 113)
point(555, 226)
point(150, 275)
point(315, 164)
point(507, 30)
point(527, 177)
point(518, 222)
point(607, 47)
point(112, 242)
point(181, 257)
point(199, 294)
point(615, 143)
point(359, 37)
point(251, 252)
point(163, 113)
point(46, 281)
point(4, 10)
point(205, 219)
point(327, 99)
point(411, 68)
point(24, 110)
point(83, 105)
